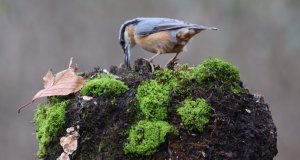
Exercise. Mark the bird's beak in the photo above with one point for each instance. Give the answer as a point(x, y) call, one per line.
point(127, 56)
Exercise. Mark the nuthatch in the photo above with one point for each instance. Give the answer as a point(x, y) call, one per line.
point(157, 35)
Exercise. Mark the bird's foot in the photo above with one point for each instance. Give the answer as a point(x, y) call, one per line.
point(171, 64)
point(150, 63)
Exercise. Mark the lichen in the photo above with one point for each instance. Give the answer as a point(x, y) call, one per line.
point(146, 136)
point(194, 114)
point(49, 119)
point(103, 85)
point(153, 99)
point(216, 73)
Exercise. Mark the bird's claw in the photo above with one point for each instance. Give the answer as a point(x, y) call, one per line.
point(172, 63)
point(150, 63)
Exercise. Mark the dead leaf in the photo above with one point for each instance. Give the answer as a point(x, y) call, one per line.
point(71, 129)
point(63, 83)
point(87, 98)
point(48, 79)
point(63, 156)
point(69, 142)
point(248, 110)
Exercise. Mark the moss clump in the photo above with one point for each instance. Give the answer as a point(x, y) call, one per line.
point(216, 73)
point(146, 136)
point(49, 119)
point(103, 85)
point(194, 114)
point(178, 80)
point(153, 99)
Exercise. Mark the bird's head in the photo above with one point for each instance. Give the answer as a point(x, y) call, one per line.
point(124, 39)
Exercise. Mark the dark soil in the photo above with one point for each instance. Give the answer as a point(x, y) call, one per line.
point(241, 126)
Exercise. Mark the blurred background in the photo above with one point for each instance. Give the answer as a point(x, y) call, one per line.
point(262, 38)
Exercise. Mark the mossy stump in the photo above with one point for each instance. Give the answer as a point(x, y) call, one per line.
point(191, 114)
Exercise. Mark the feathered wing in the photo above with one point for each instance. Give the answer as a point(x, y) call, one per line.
point(147, 26)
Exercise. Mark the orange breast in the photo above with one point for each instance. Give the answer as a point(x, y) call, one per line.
point(160, 41)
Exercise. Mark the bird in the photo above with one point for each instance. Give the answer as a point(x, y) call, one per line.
point(157, 35)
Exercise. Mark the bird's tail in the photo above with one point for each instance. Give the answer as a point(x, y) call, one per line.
point(200, 27)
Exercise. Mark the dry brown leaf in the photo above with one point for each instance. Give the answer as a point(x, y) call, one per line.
point(63, 83)
point(87, 98)
point(48, 79)
point(69, 143)
point(63, 156)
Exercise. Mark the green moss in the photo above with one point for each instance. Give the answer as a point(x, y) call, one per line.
point(153, 99)
point(216, 73)
point(146, 136)
point(114, 101)
point(178, 80)
point(103, 85)
point(49, 119)
point(194, 114)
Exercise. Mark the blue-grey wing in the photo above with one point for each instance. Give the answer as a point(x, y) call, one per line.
point(148, 26)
